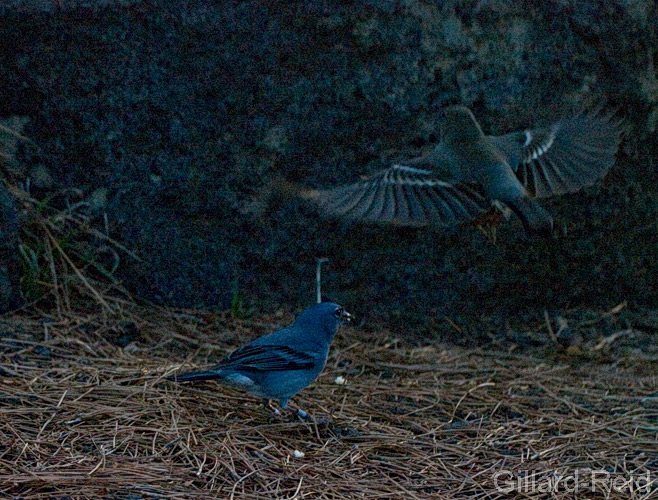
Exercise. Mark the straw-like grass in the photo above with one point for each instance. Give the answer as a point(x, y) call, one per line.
point(83, 418)
point(66, 250)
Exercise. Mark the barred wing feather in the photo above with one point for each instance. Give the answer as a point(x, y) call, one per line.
point(565, 157)
point(405, 196)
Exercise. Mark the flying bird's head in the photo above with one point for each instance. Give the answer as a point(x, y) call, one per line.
point(458, 124)
point(324, 317)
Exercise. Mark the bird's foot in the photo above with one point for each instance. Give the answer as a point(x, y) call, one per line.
point(275, 411)
point(302, 414)
point(299, 413)
point(489, 222)
point(489, 232)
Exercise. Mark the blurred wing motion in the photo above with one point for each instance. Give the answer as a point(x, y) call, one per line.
point(564, 157)
point(266, 358)
point(405, 196)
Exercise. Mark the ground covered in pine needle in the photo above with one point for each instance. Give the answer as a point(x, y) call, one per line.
point(85, 412)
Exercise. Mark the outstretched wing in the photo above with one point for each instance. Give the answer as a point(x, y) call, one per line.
point(266, 358)
point(405, 196)
point(564, 157)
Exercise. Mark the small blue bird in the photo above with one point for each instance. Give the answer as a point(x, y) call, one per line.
point(282, 363)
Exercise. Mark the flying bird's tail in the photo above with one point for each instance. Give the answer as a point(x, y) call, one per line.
point(194, 376)
point(536, 220)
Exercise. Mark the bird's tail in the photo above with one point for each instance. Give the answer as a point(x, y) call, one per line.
point(535, 219)
point(193, 376)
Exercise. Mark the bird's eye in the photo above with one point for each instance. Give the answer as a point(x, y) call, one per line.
point(338, 312)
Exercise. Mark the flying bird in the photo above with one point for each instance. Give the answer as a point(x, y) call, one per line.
point(468, 173)
point(282, 363)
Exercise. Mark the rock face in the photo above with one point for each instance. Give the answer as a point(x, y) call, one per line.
point(194, 121)
point(10, 278)
point(10, 297)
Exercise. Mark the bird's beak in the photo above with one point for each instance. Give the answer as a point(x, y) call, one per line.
point(346, 317)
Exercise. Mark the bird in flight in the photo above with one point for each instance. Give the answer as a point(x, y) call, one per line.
point(468, 173)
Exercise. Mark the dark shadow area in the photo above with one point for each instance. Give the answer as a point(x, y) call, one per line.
point(192, 127)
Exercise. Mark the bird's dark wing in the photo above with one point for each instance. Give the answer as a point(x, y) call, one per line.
point(267, 358)
point(564, 157)
point(406, 196)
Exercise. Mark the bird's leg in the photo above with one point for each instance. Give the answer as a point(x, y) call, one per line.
point(299, 413)
point(268, 404)
point(489, 232)
point(302, 414)
point(310, 418)
point(295, 413)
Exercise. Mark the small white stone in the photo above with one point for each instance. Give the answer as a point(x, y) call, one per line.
point(299, 454)
point(340, 381)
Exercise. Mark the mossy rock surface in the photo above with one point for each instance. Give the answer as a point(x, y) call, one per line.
point(193, 120)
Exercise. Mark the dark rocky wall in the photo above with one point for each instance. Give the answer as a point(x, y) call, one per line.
point(9, 264)
point(195, 119)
